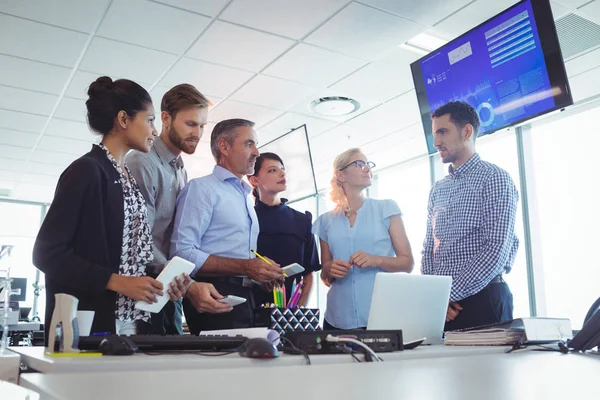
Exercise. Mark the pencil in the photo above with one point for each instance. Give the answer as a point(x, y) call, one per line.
point(265, 260)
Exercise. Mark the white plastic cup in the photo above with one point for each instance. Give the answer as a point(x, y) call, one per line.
point(84, 322)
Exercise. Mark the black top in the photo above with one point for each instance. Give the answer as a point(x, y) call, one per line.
point(285, 237)
point(79, 243)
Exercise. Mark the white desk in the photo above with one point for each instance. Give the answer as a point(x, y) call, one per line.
point(34, 357)
point(13, 392)
point(491, 377)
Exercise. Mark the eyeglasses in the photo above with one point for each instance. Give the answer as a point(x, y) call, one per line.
point(361, 164)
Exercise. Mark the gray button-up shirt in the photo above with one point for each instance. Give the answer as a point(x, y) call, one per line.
point(160, 176)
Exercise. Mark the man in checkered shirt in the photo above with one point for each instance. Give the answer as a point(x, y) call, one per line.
point(470, 224)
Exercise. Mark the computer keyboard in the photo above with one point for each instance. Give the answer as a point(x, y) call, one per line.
point(172, 342)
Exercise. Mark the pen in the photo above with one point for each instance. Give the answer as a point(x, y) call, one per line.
point(264, 259)
point(100, 334)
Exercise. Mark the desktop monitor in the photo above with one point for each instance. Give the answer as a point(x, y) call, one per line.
point(509, 68)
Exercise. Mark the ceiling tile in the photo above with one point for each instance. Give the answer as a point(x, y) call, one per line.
point(53, 157)
point(291, 18)
point(26, 101)
point(583, 63)
point(273, 92)
point(326, 147)
point(208, 78)
point(426, 12)
point(471, 16)
point(233, 109)
point(14, 152)
point(395, 141)
point(313, 66)
point(71, 129)
point(79, 15)
point(120, 59)
point(399, 57)
point(32, 75)
point(396, 114)
point(364, 32)
point(206, 7)
point(289, 121)
point(585, 85)
point(377, 81)
point(72, 109)
point(15, 138)
point(558, 10)
point(21, 121)
point(42, 168)
point(238, 47)
point(163, 28)
point(37, 179)
point(82, 80)
point(43, 43)
point(60, 144)
point(12, 176)
point(573, 3)
point(9, 164)
point(591, 11)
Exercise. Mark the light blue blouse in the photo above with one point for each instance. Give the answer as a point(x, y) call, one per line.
point(349, 298)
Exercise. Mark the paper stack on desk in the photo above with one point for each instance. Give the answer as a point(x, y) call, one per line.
point(521, 330)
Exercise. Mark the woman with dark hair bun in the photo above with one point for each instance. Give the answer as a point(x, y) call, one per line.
point(95, 242)
point(285, 234)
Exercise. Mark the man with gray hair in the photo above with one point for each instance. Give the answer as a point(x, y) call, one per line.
point(216, 227)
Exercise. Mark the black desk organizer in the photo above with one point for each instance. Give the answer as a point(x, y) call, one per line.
point(288, 319)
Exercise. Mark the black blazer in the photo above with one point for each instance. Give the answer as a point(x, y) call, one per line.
point(79, 244)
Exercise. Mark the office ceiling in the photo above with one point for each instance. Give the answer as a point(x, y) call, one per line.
point(264, 60)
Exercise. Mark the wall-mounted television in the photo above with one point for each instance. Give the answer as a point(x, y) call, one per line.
point(509, 68)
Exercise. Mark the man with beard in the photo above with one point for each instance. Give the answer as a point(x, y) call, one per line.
point(161, 176)
point(216, 227)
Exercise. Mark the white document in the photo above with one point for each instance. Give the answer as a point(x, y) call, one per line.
point(176, 267)
point(251, 333)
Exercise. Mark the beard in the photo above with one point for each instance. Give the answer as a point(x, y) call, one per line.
point(187, 146)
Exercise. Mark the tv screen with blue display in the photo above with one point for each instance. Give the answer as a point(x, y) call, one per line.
point(509, 68)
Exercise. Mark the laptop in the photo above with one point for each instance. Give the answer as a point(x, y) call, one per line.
point(417, 304)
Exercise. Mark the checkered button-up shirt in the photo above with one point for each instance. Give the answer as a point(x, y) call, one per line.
point(471, 227)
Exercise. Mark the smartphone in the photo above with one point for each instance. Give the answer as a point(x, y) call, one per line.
point(233, 300)
point(293, 269)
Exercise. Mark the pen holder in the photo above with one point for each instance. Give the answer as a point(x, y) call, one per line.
point(288, 319)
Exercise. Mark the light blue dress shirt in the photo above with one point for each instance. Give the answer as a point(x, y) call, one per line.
point(214, 216)
point(349, 298)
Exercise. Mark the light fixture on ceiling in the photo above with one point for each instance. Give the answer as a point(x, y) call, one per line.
point(424, 43)
point(334, 106)
point(5, 192)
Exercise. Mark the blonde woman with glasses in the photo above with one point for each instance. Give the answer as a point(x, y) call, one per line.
point(359, 238)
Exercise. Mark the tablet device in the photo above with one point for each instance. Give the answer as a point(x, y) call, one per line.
point(176, 267)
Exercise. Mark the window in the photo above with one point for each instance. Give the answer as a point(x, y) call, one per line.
point(19, 228)
point(501, 149)
point(564, 201)
point(409, 185)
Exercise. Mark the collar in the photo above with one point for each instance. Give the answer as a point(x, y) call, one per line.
point(165, 155)
point(266, 206)
point(223, 175)
point(466, 167)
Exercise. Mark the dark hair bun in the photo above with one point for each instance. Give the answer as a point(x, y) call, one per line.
point(100, 86)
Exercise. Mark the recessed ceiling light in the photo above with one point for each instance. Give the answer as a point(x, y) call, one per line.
point(334, 106)
point(424, 43)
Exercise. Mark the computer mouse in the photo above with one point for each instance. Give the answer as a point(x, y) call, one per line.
point(258, 348)
point(117, 346)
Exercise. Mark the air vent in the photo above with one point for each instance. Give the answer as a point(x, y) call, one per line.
point(577, 35)
point(5, 192)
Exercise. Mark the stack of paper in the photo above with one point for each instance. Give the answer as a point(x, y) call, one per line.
point(522, 330)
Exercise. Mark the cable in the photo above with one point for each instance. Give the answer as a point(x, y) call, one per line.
point(331, 338)
point(296, 350)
